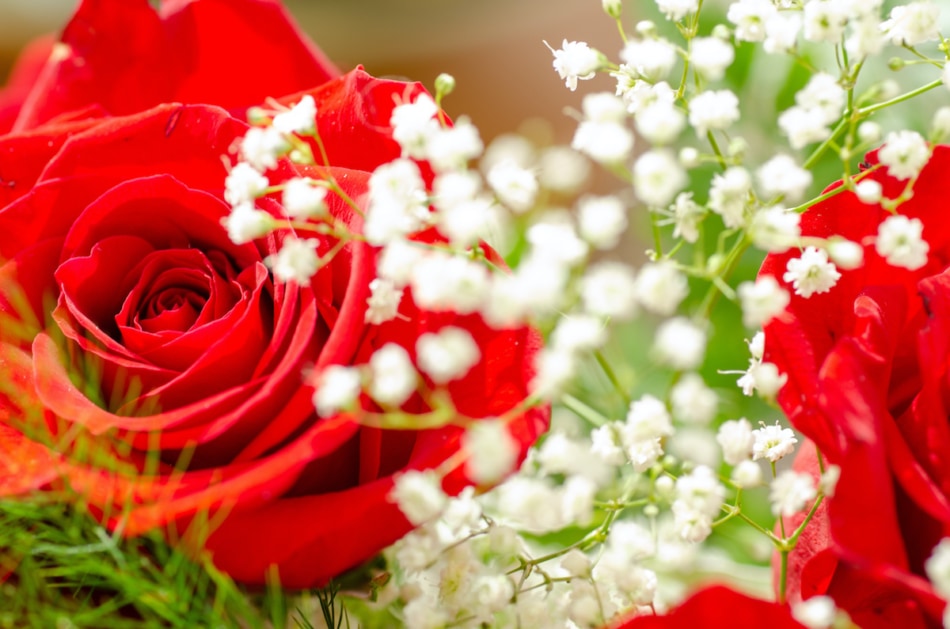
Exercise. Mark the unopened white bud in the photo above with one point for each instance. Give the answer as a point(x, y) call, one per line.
point(689, 157)
point(747, 474)
point(444, 84)
point(576, 563)
point(869, 191)
point(613, 8)
point(645, 28)
point(941, 124)
point(419, 495)
point(846, 254)
point(818, 612)
point(869, 132)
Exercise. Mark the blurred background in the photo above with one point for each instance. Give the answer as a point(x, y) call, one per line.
point(494, 48)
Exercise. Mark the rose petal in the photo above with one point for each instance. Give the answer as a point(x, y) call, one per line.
point(309, 556)
point(717, 607)
point(358, 100)
point(123, 55)
point(185, 142)
point(23, 156)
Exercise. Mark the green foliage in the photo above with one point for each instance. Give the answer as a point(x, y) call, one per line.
point(60, 568)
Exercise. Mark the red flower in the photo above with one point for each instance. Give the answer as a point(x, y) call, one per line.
point(868, 382)
point(122, 57)
point(162, 361)
point(717, 607)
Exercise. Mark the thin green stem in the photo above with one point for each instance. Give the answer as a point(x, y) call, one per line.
point(783, 577)
point(715, 147)
point(801, 527)
point(821, 197)
point(758, 527)
point(623, 34)
point(820, 150)
point(612, 376)
point(583, 410)
point(732, 260)
point(657, 241)
point(864, 111)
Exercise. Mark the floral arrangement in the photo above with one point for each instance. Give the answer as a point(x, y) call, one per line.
point(285, 346)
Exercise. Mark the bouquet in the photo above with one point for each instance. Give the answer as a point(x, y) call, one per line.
point(286, 346)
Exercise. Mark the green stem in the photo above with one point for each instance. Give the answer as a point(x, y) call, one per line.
point(818, 152)
point(864, 111)
point(623, 35)
point(825, 195)
point(612, 376)
point(715, 147)
point(583, 410)
point(801, 527)
point(758, 527)
point(657, 242)
point(783, 578)
point(732, 259)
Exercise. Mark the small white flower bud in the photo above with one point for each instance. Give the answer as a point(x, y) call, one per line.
point(869, 132)
point(868, 191)
point(747, 473)
point(940, 125)
point(791, 492)
point(735, 438)
point(419, 495)
point(393, 376)
point(645, 28)
point(818, 612)
point(444, 84)
point(846, 254)
point(245, 223)
point(446, 355)
point(297, 261)
point(337, 389)
point(576, 563)
point(937, 567)
point(613, 8)
point(492, 451)
point(689, 157)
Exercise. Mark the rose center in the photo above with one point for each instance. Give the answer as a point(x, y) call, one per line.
point(176, 290)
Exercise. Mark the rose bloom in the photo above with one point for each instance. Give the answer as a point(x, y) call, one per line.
point(157, 368)
point(868, 384)
point(716, 607)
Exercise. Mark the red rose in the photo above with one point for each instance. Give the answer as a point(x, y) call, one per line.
point(162, 360)
point(868, 383)
point(717, 607)
point(121, 57)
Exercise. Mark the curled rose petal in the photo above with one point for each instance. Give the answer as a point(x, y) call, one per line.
point(125, 57)
point(868, 384)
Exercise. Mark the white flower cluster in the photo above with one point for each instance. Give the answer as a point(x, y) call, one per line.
point(390, 377)
point(303, 200)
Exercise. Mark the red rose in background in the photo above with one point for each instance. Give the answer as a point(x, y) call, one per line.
point(135, 330)
point(121, 56)
point(868, 370)
point(118, 57)
point(717, 607)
